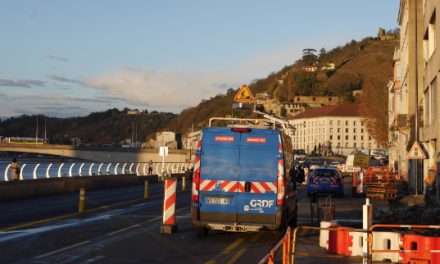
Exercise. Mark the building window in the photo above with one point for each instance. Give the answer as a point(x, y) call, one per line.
point(339, 122)
point(427, 107)
point(331, 122)
point(346, 137)
point(429, 44)
point(434, 114)
point(331, 130)
point(314, 99)
point(354, 123)
point(346, 130)
point(329, 99)
point(362, 123)
point(346, 123)
point(369, 138)
point(339, 137)
point(362, 137)
point(362, 130)
point(354, 137)
point(331, 137)
point(339, 130)
point(354, 130)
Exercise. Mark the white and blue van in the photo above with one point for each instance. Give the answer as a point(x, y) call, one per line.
point(239, 181)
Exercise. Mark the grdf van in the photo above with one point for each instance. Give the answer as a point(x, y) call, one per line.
point(239, 181)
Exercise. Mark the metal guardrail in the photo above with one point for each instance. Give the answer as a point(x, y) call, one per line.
point(69, 169)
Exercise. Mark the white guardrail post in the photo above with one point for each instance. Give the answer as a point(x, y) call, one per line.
point(35, 171)
point(130, 168)
point(70, 169)
point(116, 168)
point(90, 169)
point(80, 169)
point(59, 170)
point(123, 168)
point(108, 169)
point(137, 169)
point(99, 168)
point(47, 170)
point(6, 172)
point(21, 171)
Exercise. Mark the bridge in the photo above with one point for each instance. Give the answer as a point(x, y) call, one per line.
point(98, 154)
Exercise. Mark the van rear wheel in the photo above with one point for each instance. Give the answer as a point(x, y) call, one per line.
point(201, 231)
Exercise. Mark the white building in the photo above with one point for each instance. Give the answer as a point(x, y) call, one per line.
point(336, 128)
point(166, 138)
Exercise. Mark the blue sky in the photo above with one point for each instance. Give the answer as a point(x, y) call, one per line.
point(70, 58)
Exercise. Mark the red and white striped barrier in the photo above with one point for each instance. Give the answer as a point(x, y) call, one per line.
point(237, 186)
point(169, 207)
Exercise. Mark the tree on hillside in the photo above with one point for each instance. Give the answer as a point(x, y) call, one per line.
point(309, 56)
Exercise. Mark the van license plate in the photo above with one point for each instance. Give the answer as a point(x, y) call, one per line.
point(217, 200)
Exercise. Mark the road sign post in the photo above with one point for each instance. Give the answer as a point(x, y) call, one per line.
point(163, 151)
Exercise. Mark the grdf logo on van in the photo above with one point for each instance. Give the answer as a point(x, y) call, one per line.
point(261, 203)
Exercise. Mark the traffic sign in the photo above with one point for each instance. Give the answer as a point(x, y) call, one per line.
point(244, 95)
point(416, 152)
point(361, 161)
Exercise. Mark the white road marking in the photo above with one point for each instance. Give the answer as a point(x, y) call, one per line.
point(122, 230)
point(62, 249)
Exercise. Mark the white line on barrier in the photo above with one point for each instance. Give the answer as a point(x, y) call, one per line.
point(130, 168)
point(145, 169)
point(21, 171)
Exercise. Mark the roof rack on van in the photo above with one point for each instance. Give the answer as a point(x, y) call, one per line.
point(244, 122)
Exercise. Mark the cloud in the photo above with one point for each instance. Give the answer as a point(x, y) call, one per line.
point(21, 83)
point(172, 90)
point(57, 58)
point(58, 78)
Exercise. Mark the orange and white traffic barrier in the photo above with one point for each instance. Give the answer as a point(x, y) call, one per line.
point(383, 241)
point(169, 207)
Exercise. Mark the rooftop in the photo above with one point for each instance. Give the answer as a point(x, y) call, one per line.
point(343, 110)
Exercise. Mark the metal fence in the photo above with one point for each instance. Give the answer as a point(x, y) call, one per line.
point(45, 170)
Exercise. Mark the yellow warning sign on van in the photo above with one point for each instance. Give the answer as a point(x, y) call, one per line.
point(244, 95)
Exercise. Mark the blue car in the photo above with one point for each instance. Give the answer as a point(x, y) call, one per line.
point(325, 180)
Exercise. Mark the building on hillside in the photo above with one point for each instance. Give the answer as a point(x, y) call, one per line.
point(328, 67)
point(338, 129)
point(407, 90)
point(317, 101)
point(293, 109)
point(166, 139)
point(311, 68)
point(429, 91)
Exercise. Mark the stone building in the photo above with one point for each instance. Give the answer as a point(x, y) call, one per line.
point(338, 128)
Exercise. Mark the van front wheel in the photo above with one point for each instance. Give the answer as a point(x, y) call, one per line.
point(201, 231)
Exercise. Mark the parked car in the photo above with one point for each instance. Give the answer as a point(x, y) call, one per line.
point(325, 180)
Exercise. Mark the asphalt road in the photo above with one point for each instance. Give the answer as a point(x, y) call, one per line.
point(47, 230)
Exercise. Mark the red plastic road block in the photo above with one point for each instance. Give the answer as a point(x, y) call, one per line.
point(339, 241)
point(169, 206)
point(420, 249)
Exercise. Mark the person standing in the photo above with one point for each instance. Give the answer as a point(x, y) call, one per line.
point(430, 185)
point(150, 167)
point(15, 170)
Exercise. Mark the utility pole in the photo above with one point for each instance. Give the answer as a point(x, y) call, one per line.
point(416, 123)
point(36, 132)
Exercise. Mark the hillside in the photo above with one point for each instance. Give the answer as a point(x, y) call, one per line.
point(365, 65)
point(109, 127)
